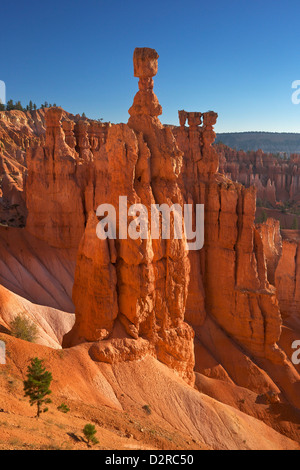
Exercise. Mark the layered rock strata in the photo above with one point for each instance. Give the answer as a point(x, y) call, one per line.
point(130, 295)
point(275, 178)
point(58, 174)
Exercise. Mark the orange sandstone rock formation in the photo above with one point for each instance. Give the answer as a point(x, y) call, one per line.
point(55, 188)
point(223, 317)
point(134, 297)
point(276, 179)
point(130, 295)
point(287, 280)
point(59, 173)
point(237, 293)
point(272, 243)
point(283, 267)
point(237, 297)
point(54, 192)
point(149, 297)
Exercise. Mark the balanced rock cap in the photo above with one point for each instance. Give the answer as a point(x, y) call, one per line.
point(145, 62)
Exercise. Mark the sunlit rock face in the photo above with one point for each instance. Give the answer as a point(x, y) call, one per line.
point(238, 267)
point(130, 295)
point(139, 297)
point(236, 289)
point(54, 193)
point(275, 179)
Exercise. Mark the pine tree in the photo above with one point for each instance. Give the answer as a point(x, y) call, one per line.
point(10, 105)
point(89, 431)
point(18, 106)
point(36, 387)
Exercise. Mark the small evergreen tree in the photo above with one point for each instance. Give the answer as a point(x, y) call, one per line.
point(89, 432)
point(9, 105)
point(63, 408)
point(36, 387)
point(18, 106)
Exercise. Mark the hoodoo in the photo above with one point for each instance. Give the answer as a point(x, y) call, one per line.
point(130, 295)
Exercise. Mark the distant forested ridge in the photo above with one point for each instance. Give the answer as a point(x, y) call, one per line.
point(269, 142)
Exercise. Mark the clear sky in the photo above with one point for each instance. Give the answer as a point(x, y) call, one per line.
point(236, 57)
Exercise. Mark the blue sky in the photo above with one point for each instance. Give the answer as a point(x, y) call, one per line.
point(236, 57)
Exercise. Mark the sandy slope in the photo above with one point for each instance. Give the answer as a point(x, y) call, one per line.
point(116, 394)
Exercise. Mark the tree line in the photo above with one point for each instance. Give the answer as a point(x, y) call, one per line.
point(17, 105)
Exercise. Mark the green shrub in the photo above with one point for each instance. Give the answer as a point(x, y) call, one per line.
point(89, 432)
point(21, 327)
point(147, 409)
point(63, 408)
